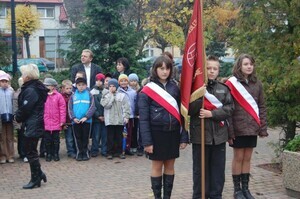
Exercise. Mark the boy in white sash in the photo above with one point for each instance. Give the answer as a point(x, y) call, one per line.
point(218, 107)
point(248, 121)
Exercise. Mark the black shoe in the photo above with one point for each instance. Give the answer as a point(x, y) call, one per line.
point(56, 157)
point(85, 157)
point(127, 152)
point(48, 157)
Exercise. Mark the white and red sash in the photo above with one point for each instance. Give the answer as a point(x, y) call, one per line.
point(212, 103)
point(244, 98)
point(163, 98)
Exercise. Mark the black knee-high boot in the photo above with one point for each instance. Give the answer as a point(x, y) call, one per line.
point(245, 186)
point(156, 185)
point(168, 185)
point(36, 175)
point(238, 194)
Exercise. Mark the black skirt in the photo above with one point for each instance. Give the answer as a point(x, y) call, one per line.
point(165, 145)
point(244, 142)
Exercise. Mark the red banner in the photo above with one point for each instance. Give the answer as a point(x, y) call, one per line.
point(193, 75)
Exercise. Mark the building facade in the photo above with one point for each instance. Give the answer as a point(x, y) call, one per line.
point(51, 35)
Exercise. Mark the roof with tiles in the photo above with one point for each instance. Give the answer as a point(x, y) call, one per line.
point(63, 14)
point(34, 1)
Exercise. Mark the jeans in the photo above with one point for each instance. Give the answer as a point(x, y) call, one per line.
point(70, 143)
point(99, 133)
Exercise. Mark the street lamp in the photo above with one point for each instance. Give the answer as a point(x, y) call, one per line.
point(13, 37)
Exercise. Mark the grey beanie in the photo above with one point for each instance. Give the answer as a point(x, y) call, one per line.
point(113, 82)
point(50, 82)
point(133, 77)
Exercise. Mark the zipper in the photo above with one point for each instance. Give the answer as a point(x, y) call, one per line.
point(156, 116)
point(170, 121)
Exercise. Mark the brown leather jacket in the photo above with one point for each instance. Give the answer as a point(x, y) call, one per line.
point(243, 123)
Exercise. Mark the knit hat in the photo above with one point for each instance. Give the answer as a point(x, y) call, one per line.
point(100, 77)
point(4, 76)
point(80, 80)
point(50, 82)
point(123, 76)
point(108, 75)
point(113, 82)
point(133, 77)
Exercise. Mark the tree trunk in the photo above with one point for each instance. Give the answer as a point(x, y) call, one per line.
point(26, 36)
point(290, 130)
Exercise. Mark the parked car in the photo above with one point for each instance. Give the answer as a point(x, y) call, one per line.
point(147, 62)
point(40, 64)
point(49, 64)
point(178, 63)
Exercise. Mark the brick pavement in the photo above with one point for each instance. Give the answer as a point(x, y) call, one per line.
point(129, 179)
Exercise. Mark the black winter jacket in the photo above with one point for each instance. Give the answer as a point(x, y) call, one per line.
point(214, 132)
point(31, 107)
point(153, 117)
point(99, 108)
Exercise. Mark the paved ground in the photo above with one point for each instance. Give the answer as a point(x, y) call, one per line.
point(129, 178)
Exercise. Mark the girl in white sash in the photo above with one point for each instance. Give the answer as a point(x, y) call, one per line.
point(160, 125)
point(249, 121)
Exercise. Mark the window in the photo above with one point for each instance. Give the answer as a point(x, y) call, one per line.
point(3, 12)
point(46, 12)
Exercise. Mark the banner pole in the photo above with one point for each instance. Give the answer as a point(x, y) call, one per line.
point(202, 119)
point(202, 155)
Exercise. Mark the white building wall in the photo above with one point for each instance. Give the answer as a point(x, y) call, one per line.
point(46, 23)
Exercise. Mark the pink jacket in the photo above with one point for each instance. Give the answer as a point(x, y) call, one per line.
point(54, 112)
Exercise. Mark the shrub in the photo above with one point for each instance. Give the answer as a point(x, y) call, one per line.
point(294, 144)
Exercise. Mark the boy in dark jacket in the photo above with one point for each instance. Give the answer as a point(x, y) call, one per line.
point(98, 129)
point(218, 107)
point(81, 110)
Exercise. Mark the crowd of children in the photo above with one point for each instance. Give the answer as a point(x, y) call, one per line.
point(99, 113)
point(149, 117)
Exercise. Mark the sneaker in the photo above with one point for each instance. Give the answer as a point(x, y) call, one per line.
point(94, 154)
point(85, 157)
point(128, 152)
point(122, 156)
point(79, 158)
point(73, 155)
point(109, 157)
point(140, 153)
point(42, 155)
point(133, 150)
point(11, 160)
point(25, 160)
point(2, 161)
